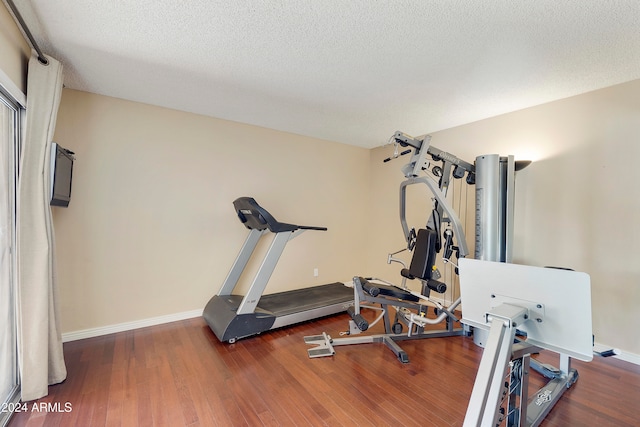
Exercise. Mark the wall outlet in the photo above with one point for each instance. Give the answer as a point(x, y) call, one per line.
point(315, 272)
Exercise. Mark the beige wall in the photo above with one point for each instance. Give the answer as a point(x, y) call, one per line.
point(151, 228)
point(14, 50)
point(577, 205)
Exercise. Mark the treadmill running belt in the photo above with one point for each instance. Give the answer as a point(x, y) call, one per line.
point(298, 300)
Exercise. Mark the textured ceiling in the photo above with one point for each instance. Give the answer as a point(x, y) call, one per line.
point(352, 71)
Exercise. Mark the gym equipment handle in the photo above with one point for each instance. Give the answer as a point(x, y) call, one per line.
point(388, 159)
point(309, 227)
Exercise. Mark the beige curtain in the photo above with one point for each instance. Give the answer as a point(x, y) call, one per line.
point(39, 338)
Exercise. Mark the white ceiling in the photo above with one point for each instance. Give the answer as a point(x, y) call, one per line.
point(352, 71)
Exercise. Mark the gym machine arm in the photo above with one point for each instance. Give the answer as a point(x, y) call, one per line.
point(421, 146)
point(451, 166)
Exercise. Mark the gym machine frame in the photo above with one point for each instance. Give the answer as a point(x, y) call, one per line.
point(376, 291)
point(515, 301)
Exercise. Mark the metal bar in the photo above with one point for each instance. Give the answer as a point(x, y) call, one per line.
point(451, 158)
point(485, 394)
point(508, 205)
point(488, 389)
point(488, 197)
point(240, 263)
point(455, 221)
point(41, 57)
point(544, 400)
point(442, 200)
point(261, 279)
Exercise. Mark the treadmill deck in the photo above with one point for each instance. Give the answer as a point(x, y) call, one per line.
point(298, 300)
point(275, 310)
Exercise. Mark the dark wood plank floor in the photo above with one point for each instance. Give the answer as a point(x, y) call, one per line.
point(178, 374)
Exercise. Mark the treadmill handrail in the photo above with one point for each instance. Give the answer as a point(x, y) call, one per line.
point(309, 227)
point(255, 217)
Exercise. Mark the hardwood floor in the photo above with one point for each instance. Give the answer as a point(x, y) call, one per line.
point(178, 374)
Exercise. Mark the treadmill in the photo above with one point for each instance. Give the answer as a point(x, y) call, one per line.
point(232, 317)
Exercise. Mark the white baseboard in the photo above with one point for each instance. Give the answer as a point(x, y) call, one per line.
point(128, 326)
point(629, 357)
point(618, 354)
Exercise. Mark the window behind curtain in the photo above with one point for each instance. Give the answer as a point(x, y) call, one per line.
point(9, 137)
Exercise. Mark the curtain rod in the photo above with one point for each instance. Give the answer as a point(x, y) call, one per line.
point(43, 59)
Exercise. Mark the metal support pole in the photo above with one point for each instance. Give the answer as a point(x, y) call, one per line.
point(250, 300)
point(16, 13)
point(241, 262)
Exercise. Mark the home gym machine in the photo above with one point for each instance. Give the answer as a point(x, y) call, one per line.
point(515, 311)
point(443, 233)
point(232, 317)
point(510, 301)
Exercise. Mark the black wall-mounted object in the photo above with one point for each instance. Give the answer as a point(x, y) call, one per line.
point(61, 175)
